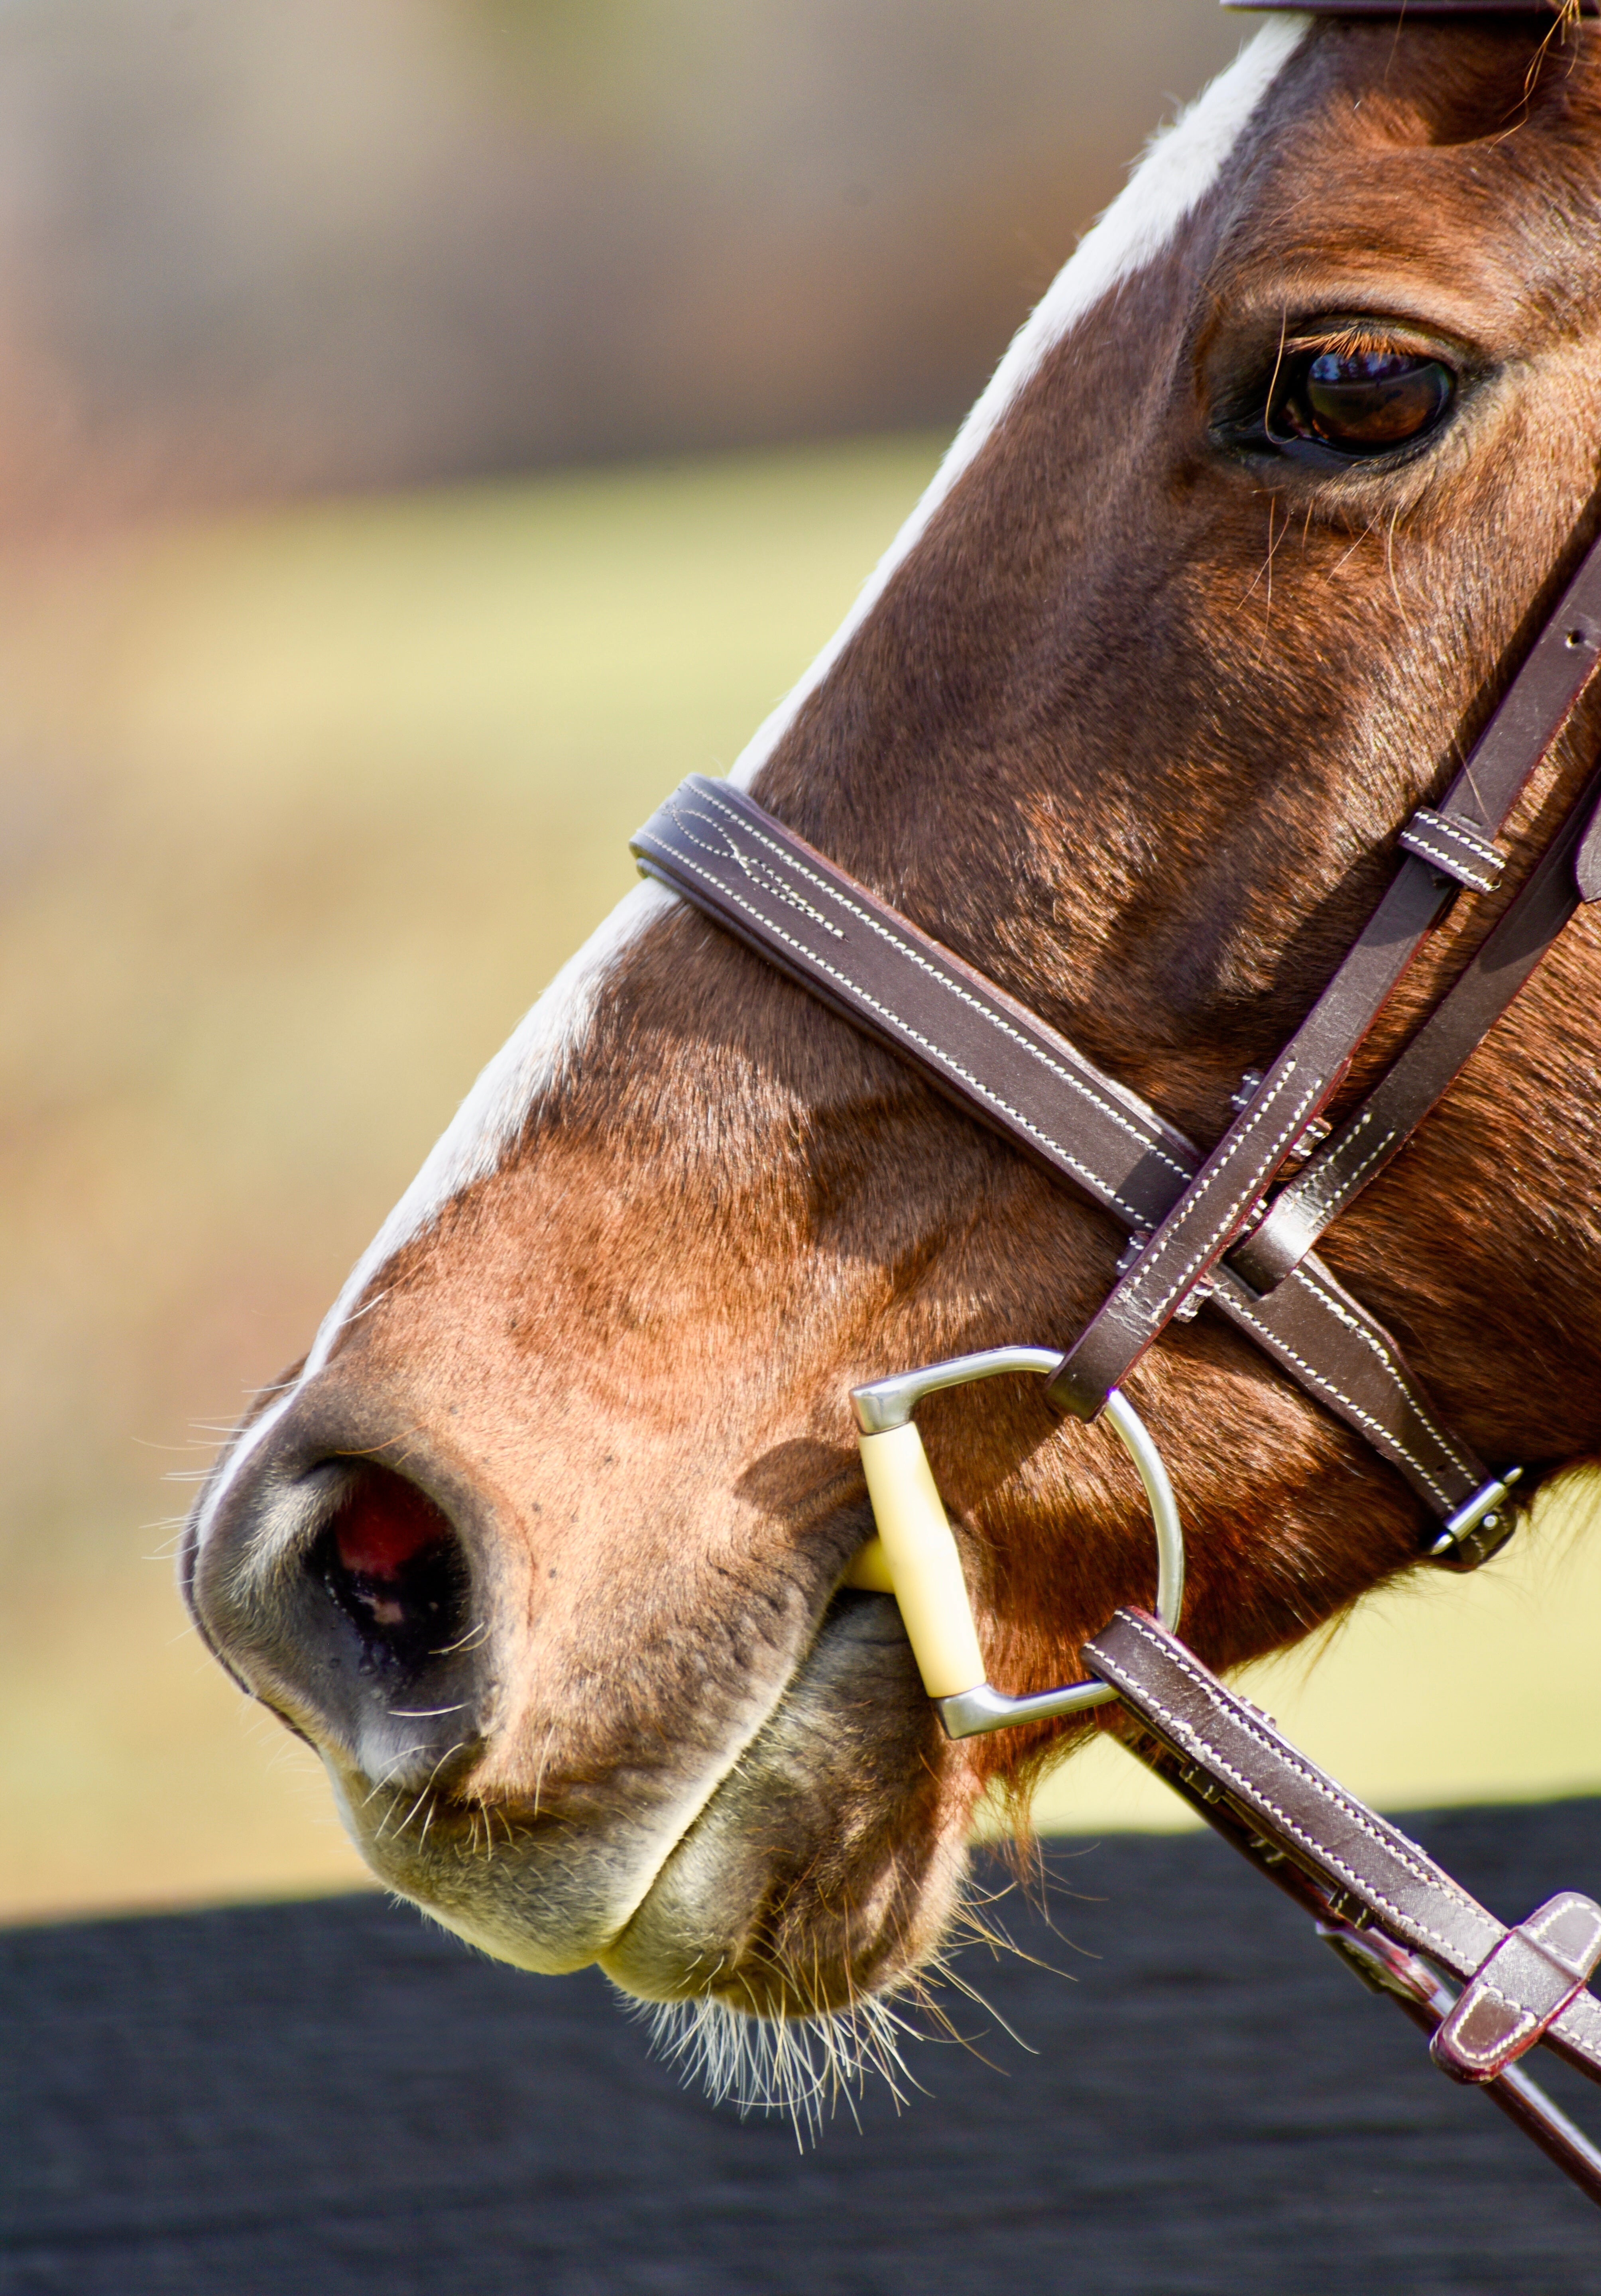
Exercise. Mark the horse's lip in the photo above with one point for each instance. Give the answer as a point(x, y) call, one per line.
point(492, 1865)
point(493, 1868)
point(701, 1926)
point(546, 1808)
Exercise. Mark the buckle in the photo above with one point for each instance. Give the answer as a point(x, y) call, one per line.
point(1479, 1526)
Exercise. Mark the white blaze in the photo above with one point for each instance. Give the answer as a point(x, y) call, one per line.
point(1180, 165)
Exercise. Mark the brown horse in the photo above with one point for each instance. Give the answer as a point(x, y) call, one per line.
point(543, 1546)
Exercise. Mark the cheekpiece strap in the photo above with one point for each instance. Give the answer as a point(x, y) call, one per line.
point(1368, 1141)
point(1226, 1196)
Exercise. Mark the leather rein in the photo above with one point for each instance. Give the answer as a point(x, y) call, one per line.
point(1205, 1229)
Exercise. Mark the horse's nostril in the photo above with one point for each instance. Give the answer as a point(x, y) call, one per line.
point(394, 1566)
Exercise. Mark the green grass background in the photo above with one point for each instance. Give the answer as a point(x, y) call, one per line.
point(297, 812)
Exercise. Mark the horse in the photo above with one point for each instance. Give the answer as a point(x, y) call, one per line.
point(546, 1544)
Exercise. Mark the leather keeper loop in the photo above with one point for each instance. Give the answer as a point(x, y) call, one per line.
point(1520, 1989)
point(1276, 1247)
point(1455, 847)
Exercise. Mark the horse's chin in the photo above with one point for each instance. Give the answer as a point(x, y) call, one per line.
point(823, 1868)
point(826, 1865)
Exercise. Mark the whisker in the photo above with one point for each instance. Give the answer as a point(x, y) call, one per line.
point(801, 2065)
point(427, 1790)
point(473, 1635)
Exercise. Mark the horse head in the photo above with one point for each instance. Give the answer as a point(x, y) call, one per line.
point(544, 1544)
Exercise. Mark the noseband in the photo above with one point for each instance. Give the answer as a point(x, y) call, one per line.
point(1207, 1229)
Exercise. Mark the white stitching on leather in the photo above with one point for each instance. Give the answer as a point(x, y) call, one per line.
point(1514, 2001)
point(1322, 1191)
point(1386, 1438)
point(1382, 1435)
point(1413, 840)
point(1324, 1204)
point(936, 1052)
point(1467, 1469)
point(764, 872)
point(1523, 2020)
point(954, 987)
point(1376, 1347)
point(1452, 825)
point(1178, 1219)
point(1570, 2021)
point(1430, 1877)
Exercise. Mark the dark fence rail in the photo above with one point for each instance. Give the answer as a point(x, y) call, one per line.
point(334, 2099)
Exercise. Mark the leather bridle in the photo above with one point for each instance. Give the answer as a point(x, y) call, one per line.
point(1205, 1229)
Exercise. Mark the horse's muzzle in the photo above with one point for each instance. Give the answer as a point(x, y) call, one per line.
point(344, 1595)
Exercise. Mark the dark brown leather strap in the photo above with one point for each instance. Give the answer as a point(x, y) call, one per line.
point(796, 909)
point(1455, 847)
point(1392, 1111)
point(1327, 1342)
point(1225, 1193)
point(1520, 1989)
point(1587, 867)
point(1387, 1969)
point(1369, 1872)
point(802, 913)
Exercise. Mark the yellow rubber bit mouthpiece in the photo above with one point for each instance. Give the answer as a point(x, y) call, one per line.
point(924, 1566)
point(869, 1569)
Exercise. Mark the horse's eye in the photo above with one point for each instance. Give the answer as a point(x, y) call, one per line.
point(1362, 402)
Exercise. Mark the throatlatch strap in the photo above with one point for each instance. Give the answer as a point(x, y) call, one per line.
point(1230, 1187)
point(718, 847)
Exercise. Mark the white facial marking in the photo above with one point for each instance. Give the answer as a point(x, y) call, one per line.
point(492, 1115)
point(1180, 165)
point(495, 1112)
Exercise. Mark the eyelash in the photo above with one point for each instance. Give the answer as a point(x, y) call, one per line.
point(1278, 414)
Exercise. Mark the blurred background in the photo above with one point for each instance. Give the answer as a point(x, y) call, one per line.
point(428, 430)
